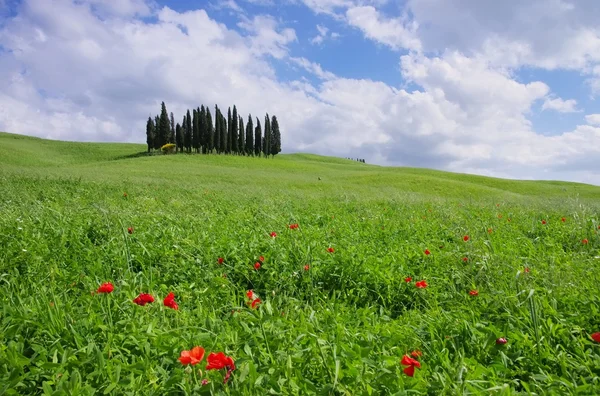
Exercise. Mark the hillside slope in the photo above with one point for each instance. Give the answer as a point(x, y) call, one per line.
point(119, 163)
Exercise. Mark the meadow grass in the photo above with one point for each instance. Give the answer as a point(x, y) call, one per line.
point(339, 326)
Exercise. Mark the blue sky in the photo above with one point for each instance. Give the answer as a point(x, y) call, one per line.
point(506, 89)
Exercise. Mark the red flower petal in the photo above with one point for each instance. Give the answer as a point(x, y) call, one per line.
point(596, 336)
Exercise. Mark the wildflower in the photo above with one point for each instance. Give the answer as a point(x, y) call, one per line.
point(257, 266)
point(543, 222)
point(330, 249)
point(306, 267)
point(407, 279)
point(411, 363)
point(421, 284)
point(527, 270)
point(218, 361)
point(465, 259)
point(427, 252)
point(596, 336)
point(106, 287)
point(192, 357)
point(293, 226)
point(563, 219)
point(273, 234)
point(220, 260)
point(585, 241)
point(474, 293)
point(261, 259)
point(169, 301)
point(124, 195)
point(130, 230)
point(143, 299)
point(204, 382)
point(250, 294)
point(466, 238)
point(489, 230)
point(416, 353)
point(255, 302)
point(501, 341)
point(499, 216)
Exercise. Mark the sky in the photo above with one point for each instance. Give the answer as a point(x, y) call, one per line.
point(499, 88)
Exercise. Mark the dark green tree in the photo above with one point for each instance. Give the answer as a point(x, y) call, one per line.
point(234, 131)
point(189, 131)
point(275, 137)
point(178, 138)
point(249, 136)
point(156, 139)
point(164, 130)
point(224, 134)
point(150, 134)
point(194, 129)
point(210, 137)
point(267, 138)
point(257, 138)
point(217, 129)
point(241, 137)
point(172, 137)
point(229, 133)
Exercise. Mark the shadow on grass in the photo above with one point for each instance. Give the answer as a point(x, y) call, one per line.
point(134, 155)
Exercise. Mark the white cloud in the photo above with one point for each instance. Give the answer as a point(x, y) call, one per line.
point(560, 105)
point(313, 68)
point(323, 33)
point(265, 37)
point(593, 119)
point(395, 33)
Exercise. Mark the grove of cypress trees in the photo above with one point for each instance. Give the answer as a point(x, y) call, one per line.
point(249, 136)
point(275, 137)
point(150, 134)
point(257, 138)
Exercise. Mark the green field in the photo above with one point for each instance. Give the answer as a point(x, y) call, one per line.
point(340, 326)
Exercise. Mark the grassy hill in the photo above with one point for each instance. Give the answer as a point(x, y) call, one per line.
point(338, 307)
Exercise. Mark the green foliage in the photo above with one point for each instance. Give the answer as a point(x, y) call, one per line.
point(339, 327)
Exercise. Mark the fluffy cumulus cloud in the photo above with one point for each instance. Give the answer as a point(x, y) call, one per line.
point(94, 70)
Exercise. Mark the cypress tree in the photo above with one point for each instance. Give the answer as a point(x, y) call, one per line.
point(156, 138)
point(150, 134)
point(224, 135)
point(184, 133)
point(202, 128)
point(178, 138)
point(164, 130)
point(195, 136)
point(234, 131)
point(241, 137)
point(257, 138)
point(172, 137)
point(275, 137)
point(249, 136)
point(189, 131)
point(210, 139)
point(267, 139)
point(217, 129)
point(229, 125)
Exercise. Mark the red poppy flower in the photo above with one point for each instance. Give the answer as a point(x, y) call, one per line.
point(218, 361)
point(474, 293)
point(421, 284)
point(489, 230)
point(563, 219)
point(585, 241)
point(466, 238)
point(169, 301)
point(293, 226)
point(465, 259)
point(106, 287)
point(330, 250)
point(192, 357)
point(204, 382)
point(220, 260)
point(273, 234)
point(427, 252)
point(255, 302)
point(596, 336)
point(501, 341)
point(527, 270)
point(543, 221)
point(143, 299)
point(261, 259)
point(411, 363)
point(599, 227)
point(416, 353)
point(130, 230)
point(256, 265)
point(306, 267)
point(125, 194)
point(408, 279)
point(250, 294)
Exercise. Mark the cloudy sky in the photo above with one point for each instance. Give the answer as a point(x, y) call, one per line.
point(503, 88)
